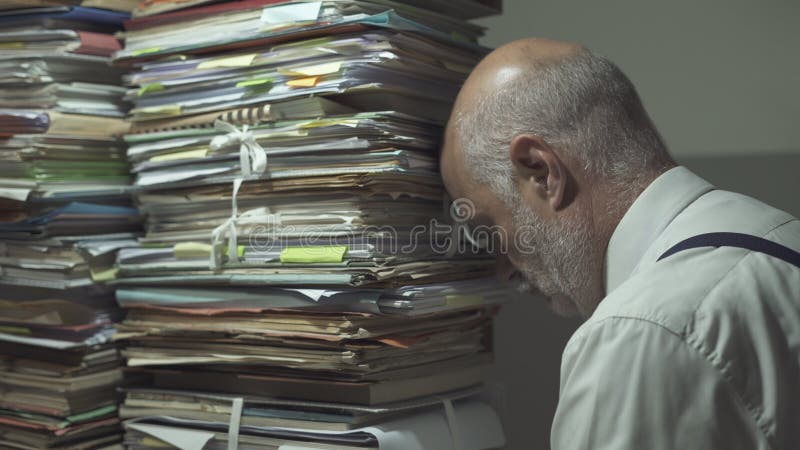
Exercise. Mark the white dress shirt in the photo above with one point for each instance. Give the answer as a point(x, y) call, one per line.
point(700, 350)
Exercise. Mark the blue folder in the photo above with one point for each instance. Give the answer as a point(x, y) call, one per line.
point(72, 13)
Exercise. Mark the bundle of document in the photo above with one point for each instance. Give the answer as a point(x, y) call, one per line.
point(418, 424)
point(66, 208)
point(230, 366)
point(301, 281)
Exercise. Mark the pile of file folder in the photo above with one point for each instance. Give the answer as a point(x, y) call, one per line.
point(300, 282)
point(65, 208)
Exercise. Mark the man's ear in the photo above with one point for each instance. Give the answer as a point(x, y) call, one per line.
point(539, 169)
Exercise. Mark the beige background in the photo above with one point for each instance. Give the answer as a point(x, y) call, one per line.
point(721, 79)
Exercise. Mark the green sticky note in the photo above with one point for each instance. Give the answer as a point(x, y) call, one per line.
point(152, 87)
point(99, 412)
point(314, 254)
point(145, 51)
point(260, 85)
point(104, 275)
point(153, 245)
point(191, 250)
point(256, 82)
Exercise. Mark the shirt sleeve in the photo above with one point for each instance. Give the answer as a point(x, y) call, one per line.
point(630, 384)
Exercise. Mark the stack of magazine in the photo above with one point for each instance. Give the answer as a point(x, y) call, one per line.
point(66, 208)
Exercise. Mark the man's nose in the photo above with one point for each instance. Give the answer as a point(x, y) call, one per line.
point(504, 269)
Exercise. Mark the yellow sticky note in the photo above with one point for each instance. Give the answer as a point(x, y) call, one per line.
point(303, 82)
point(11, 45)
point(104, 275)
point(162, 110)
point(232, 61)
point(315, 70)
point(191, 250)
point(187, 154)
point(463, 301)
point(152, 87)
point(14, 330)
point(329, 122)
point(145, 51)
point(314, 254)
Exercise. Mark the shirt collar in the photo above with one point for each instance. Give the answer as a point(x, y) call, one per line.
point(646, 219)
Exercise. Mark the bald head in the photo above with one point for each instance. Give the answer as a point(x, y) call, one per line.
point(578, 102)
point(507, 61)
point(510, 62)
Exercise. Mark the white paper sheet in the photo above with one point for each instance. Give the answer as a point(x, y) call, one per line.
point(182, 438)
point(293, 12)
point(478, 426)
point(18, 194)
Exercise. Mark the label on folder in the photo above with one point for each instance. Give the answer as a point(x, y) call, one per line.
point(314, 254)
point(231, 61)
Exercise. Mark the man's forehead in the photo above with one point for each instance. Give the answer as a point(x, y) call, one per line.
point(449, 163)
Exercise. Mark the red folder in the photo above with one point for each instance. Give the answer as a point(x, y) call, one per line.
point(97, 44)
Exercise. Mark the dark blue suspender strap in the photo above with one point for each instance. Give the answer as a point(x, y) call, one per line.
point(740, 240)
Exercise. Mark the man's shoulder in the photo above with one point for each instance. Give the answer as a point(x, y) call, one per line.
point(733, 311)
point(691, 287)
point(723, 317)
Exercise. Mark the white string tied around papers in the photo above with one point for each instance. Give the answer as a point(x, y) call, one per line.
point(226, 231)
point(262, 215)
point(237, 405)
point(452, 424)
point(253, 160)
point(252, 156)
point(452, 243)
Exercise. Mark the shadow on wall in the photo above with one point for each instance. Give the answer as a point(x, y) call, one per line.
point(771, 178)
point(528, 341)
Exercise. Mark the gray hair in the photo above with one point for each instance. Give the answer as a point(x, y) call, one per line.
point(581, 104)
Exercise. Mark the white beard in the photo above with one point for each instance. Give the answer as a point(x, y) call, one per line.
point(555, 262)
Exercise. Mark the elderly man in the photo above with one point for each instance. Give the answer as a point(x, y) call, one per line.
point(691, 294)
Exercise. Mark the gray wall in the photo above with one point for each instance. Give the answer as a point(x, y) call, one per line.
point(721, 79)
